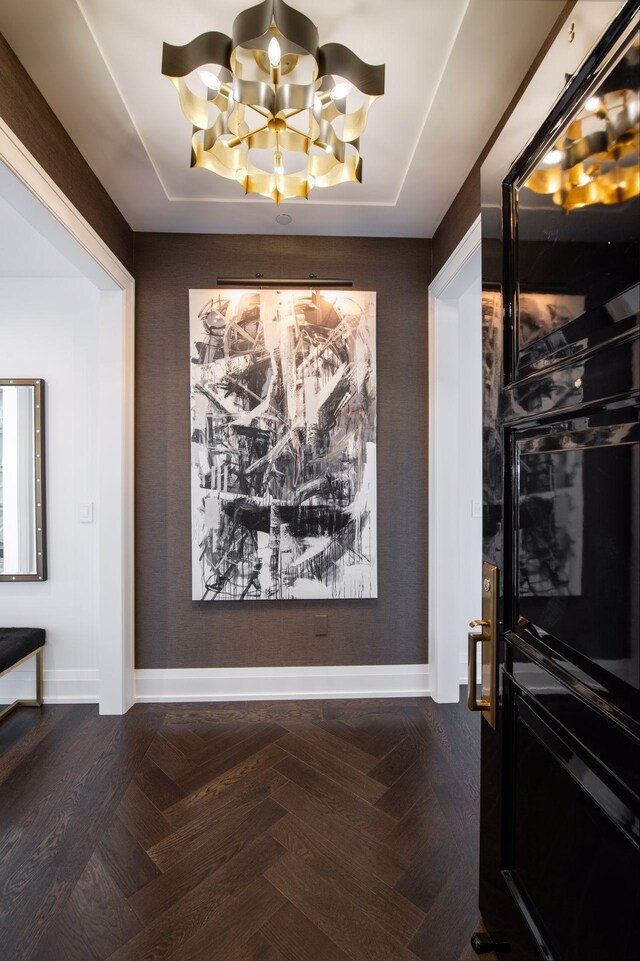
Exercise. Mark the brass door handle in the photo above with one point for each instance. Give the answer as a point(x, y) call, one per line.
point(487, 637)
point(472, 701)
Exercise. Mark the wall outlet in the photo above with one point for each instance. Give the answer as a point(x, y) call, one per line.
point(320, 625)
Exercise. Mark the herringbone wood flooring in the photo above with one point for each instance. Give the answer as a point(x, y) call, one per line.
point(286, 831)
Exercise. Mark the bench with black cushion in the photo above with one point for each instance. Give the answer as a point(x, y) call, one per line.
point(16, 645)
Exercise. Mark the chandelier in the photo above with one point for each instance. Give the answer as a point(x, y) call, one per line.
point(269, 107)
point(597, 158)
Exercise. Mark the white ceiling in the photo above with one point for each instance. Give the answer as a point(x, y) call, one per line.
point(24, 252)
point(452, 68)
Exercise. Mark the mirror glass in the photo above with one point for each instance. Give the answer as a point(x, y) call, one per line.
point(578, 245)
point(21, 481)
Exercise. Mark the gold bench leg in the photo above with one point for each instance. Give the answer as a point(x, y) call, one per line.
point(37, 701)
point(39, 677)
point(8, 709)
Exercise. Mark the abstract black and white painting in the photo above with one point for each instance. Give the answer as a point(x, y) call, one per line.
point(283, 440)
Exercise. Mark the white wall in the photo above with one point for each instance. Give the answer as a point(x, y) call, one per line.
point(455, 463)
point(470, 459)
point(49, 328)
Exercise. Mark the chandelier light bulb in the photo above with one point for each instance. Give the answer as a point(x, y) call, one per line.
point(274, 52)
point(340, 91)
point(593, 103)
point(311, 180)
point(278, 165)
point(553, 157)
point(210, 80)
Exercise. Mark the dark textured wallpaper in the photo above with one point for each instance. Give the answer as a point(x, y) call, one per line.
point(171, 629)
point(25, 110)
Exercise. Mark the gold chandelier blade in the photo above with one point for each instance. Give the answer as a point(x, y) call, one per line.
point(334, 59)
point(598, 157)
point(211, 47)
point(270, 71)
point(251, 27)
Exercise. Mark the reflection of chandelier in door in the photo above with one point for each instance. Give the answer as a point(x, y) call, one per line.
point(269, 107)
point(596, 160)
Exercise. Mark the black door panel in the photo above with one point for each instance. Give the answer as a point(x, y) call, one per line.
point(578, 545)
point(600, 325)
point(560, 808)
point(607, 741)
point(605, 378)
point(567, 823)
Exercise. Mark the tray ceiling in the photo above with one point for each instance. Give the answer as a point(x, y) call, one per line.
point(452, 68)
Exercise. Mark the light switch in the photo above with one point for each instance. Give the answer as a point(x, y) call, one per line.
point(476, 508)
point(85, 512)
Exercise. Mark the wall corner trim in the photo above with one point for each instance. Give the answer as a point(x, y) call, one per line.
point(444, 393)
point(456, 261)
point(282, 683)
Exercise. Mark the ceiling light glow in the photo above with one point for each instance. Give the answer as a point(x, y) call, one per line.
point(274, 52)
point(340, 91)
point(210, 80)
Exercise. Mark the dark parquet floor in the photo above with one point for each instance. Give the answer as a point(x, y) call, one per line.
point(280, 831)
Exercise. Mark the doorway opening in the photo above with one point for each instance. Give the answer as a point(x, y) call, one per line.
point(455, 463)
point(82, 283)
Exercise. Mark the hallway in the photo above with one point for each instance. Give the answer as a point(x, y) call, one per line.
point(247, 831)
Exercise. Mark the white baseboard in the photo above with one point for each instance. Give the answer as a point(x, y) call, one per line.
point(282, 683)
point(60, 687)
point(229, 684)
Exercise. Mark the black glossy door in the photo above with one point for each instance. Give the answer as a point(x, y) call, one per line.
point(560, 812)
